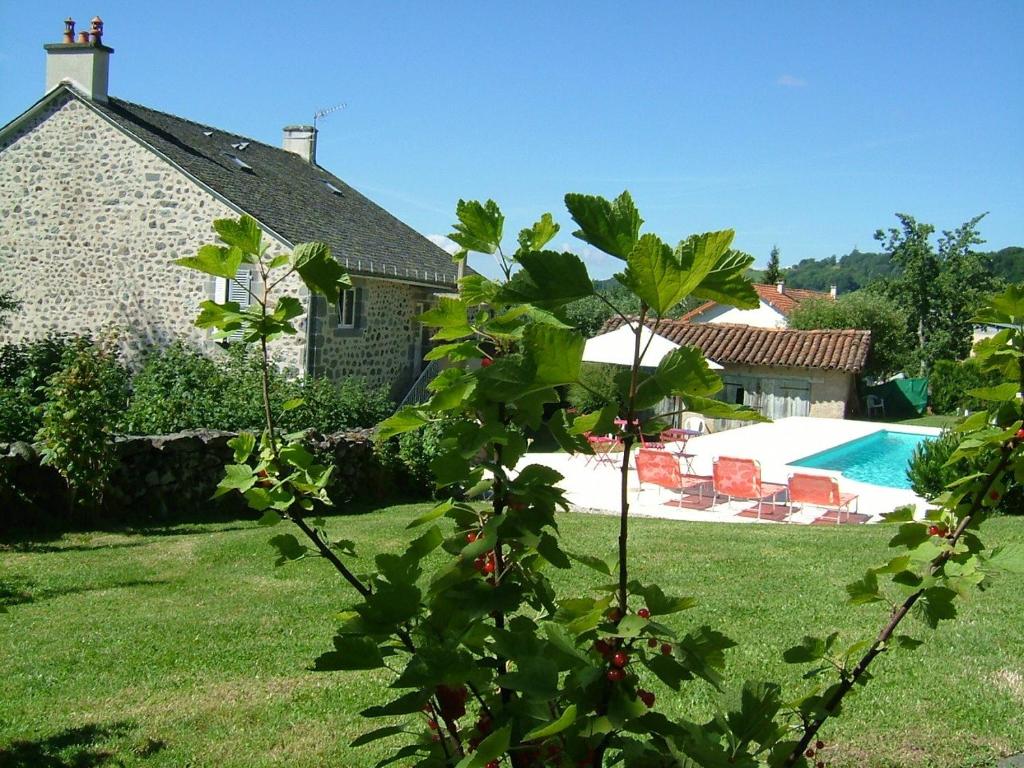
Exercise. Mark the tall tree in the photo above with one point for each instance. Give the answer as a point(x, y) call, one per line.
point(939, 290)
point(773, 274)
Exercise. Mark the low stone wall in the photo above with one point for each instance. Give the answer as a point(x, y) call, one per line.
point(162, 478)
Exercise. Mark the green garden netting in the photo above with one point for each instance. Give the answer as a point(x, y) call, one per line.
point(902, 397)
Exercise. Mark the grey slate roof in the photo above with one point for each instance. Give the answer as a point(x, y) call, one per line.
point(288, 195)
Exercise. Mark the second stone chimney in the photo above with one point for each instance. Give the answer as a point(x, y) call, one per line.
point(833, 291)
point(780, 287)
point(301, 139)
point(84, 64)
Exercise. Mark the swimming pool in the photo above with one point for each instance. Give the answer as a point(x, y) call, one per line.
point(879, 458)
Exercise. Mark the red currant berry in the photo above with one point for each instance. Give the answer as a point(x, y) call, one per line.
point(614, 615)
point(492, 764)
point(666, 649)
point(620, 659)
point(602, 647)
point(643, 613)
point(647, 698)
point(652, 642)
point(489, 566)
point(432, 724)
point(933, 530)
point(616, 675)
point(471, 536)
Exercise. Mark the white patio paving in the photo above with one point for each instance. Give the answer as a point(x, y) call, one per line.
point(593, 487)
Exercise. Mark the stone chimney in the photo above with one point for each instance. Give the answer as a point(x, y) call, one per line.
point(780, 287)
point(84, 64)
point(301, 139)
point(833, 291)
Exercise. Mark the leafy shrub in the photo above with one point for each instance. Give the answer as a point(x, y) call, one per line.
point(83, 401)
point(595, 388)
point(930, 472)
point(950, 381)
point(166, 399)
point(24, 369)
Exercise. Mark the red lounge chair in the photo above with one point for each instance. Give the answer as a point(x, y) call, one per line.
point(819, 491)
point(661, 468)
point(741, 479)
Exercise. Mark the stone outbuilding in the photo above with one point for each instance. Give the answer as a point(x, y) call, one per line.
point(99, 196)
point(780, 372)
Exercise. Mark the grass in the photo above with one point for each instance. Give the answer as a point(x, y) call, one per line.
point(186, 646)
point(932, 420)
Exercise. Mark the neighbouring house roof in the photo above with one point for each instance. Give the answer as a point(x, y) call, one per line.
point(838, 350)
point(784, 303)
point(282, 191)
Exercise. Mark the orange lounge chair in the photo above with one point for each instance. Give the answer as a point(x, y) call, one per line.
point(661, 468)
point(741, 479)
point(819, 491)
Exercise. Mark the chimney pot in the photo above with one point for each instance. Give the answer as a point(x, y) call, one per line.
point(83, 63)
point(780, 287)
point(301, 140)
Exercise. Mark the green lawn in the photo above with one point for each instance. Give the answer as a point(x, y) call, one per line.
point(187, 647)
point(932, 420)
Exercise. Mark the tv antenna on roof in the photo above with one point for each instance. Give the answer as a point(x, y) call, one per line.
point(327, 111)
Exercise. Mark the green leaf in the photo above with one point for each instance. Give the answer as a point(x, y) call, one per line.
point(534, 676)
point(550, 551)
point(319, 270)
point(910, 535)
point(449, 317)
point(682, 372)
point(287, 308)
point(237, 477)
point(288, 548)
point(462, 350)
point(404, 705)
point(591, 561)
point(242, 445)
point(291, 405)
point(907, 643)
point(657, 602)
point(612, 227)
point(810, 649)
point(405, 420)
point(548, 279)
point(727, 283)
point(1001, 392)
point(270, 517)
point(214, 260)
point(539, 235)
point(1008, 557)
point(904, 514)
point(350, 652)
point(718, 409)
point(937, 605)
point(491, 748)
point(243, 233)
point(479, 227)
point(557, 354)
point(438, 511)
point(864, 590)
point(567, 718)
point(655, 275)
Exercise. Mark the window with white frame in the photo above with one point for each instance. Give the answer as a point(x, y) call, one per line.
point(347, 308)
point(238, 289)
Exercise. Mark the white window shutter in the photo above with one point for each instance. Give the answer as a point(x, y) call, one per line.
point(238, 289)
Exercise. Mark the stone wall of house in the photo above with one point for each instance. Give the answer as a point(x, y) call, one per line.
point(829, 390)
point(90, 225)
point(172, 477)
point(382, 348)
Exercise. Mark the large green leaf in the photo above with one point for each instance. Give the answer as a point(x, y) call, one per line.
point(243, 233)
point(319, 270)
point(491, 748)
point(727, 283)
point(547, 279)
point(997, 393)
point(405, 420)
point(556, 353)
point(683, 372)
point(612, 227)
point(214, 260)
point(449, 317)
point(655, 275)
point(237, 477)
point(479, 227)
point(350, 652)
point(567, 718)
point(717, 409)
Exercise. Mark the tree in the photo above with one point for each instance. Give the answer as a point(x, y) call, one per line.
point(8, 304)
point(773, 274)
point(892, 346)
point(939, 290)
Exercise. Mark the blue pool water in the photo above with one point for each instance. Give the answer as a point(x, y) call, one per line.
point(879, 458)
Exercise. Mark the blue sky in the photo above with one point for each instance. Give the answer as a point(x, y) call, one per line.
point(802, 124)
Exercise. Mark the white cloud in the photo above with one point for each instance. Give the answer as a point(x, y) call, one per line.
point(791, 81)
point(443, 242)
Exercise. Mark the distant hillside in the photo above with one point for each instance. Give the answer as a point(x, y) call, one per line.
point(858, 269)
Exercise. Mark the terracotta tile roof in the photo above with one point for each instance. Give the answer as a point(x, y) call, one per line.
point(783, 303)
point(837, 350)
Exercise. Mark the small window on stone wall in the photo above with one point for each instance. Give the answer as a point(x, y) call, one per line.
point(348, 308)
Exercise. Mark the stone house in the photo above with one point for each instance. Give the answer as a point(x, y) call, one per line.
point(778, 371)
point(99, 196)
point(776, 304)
